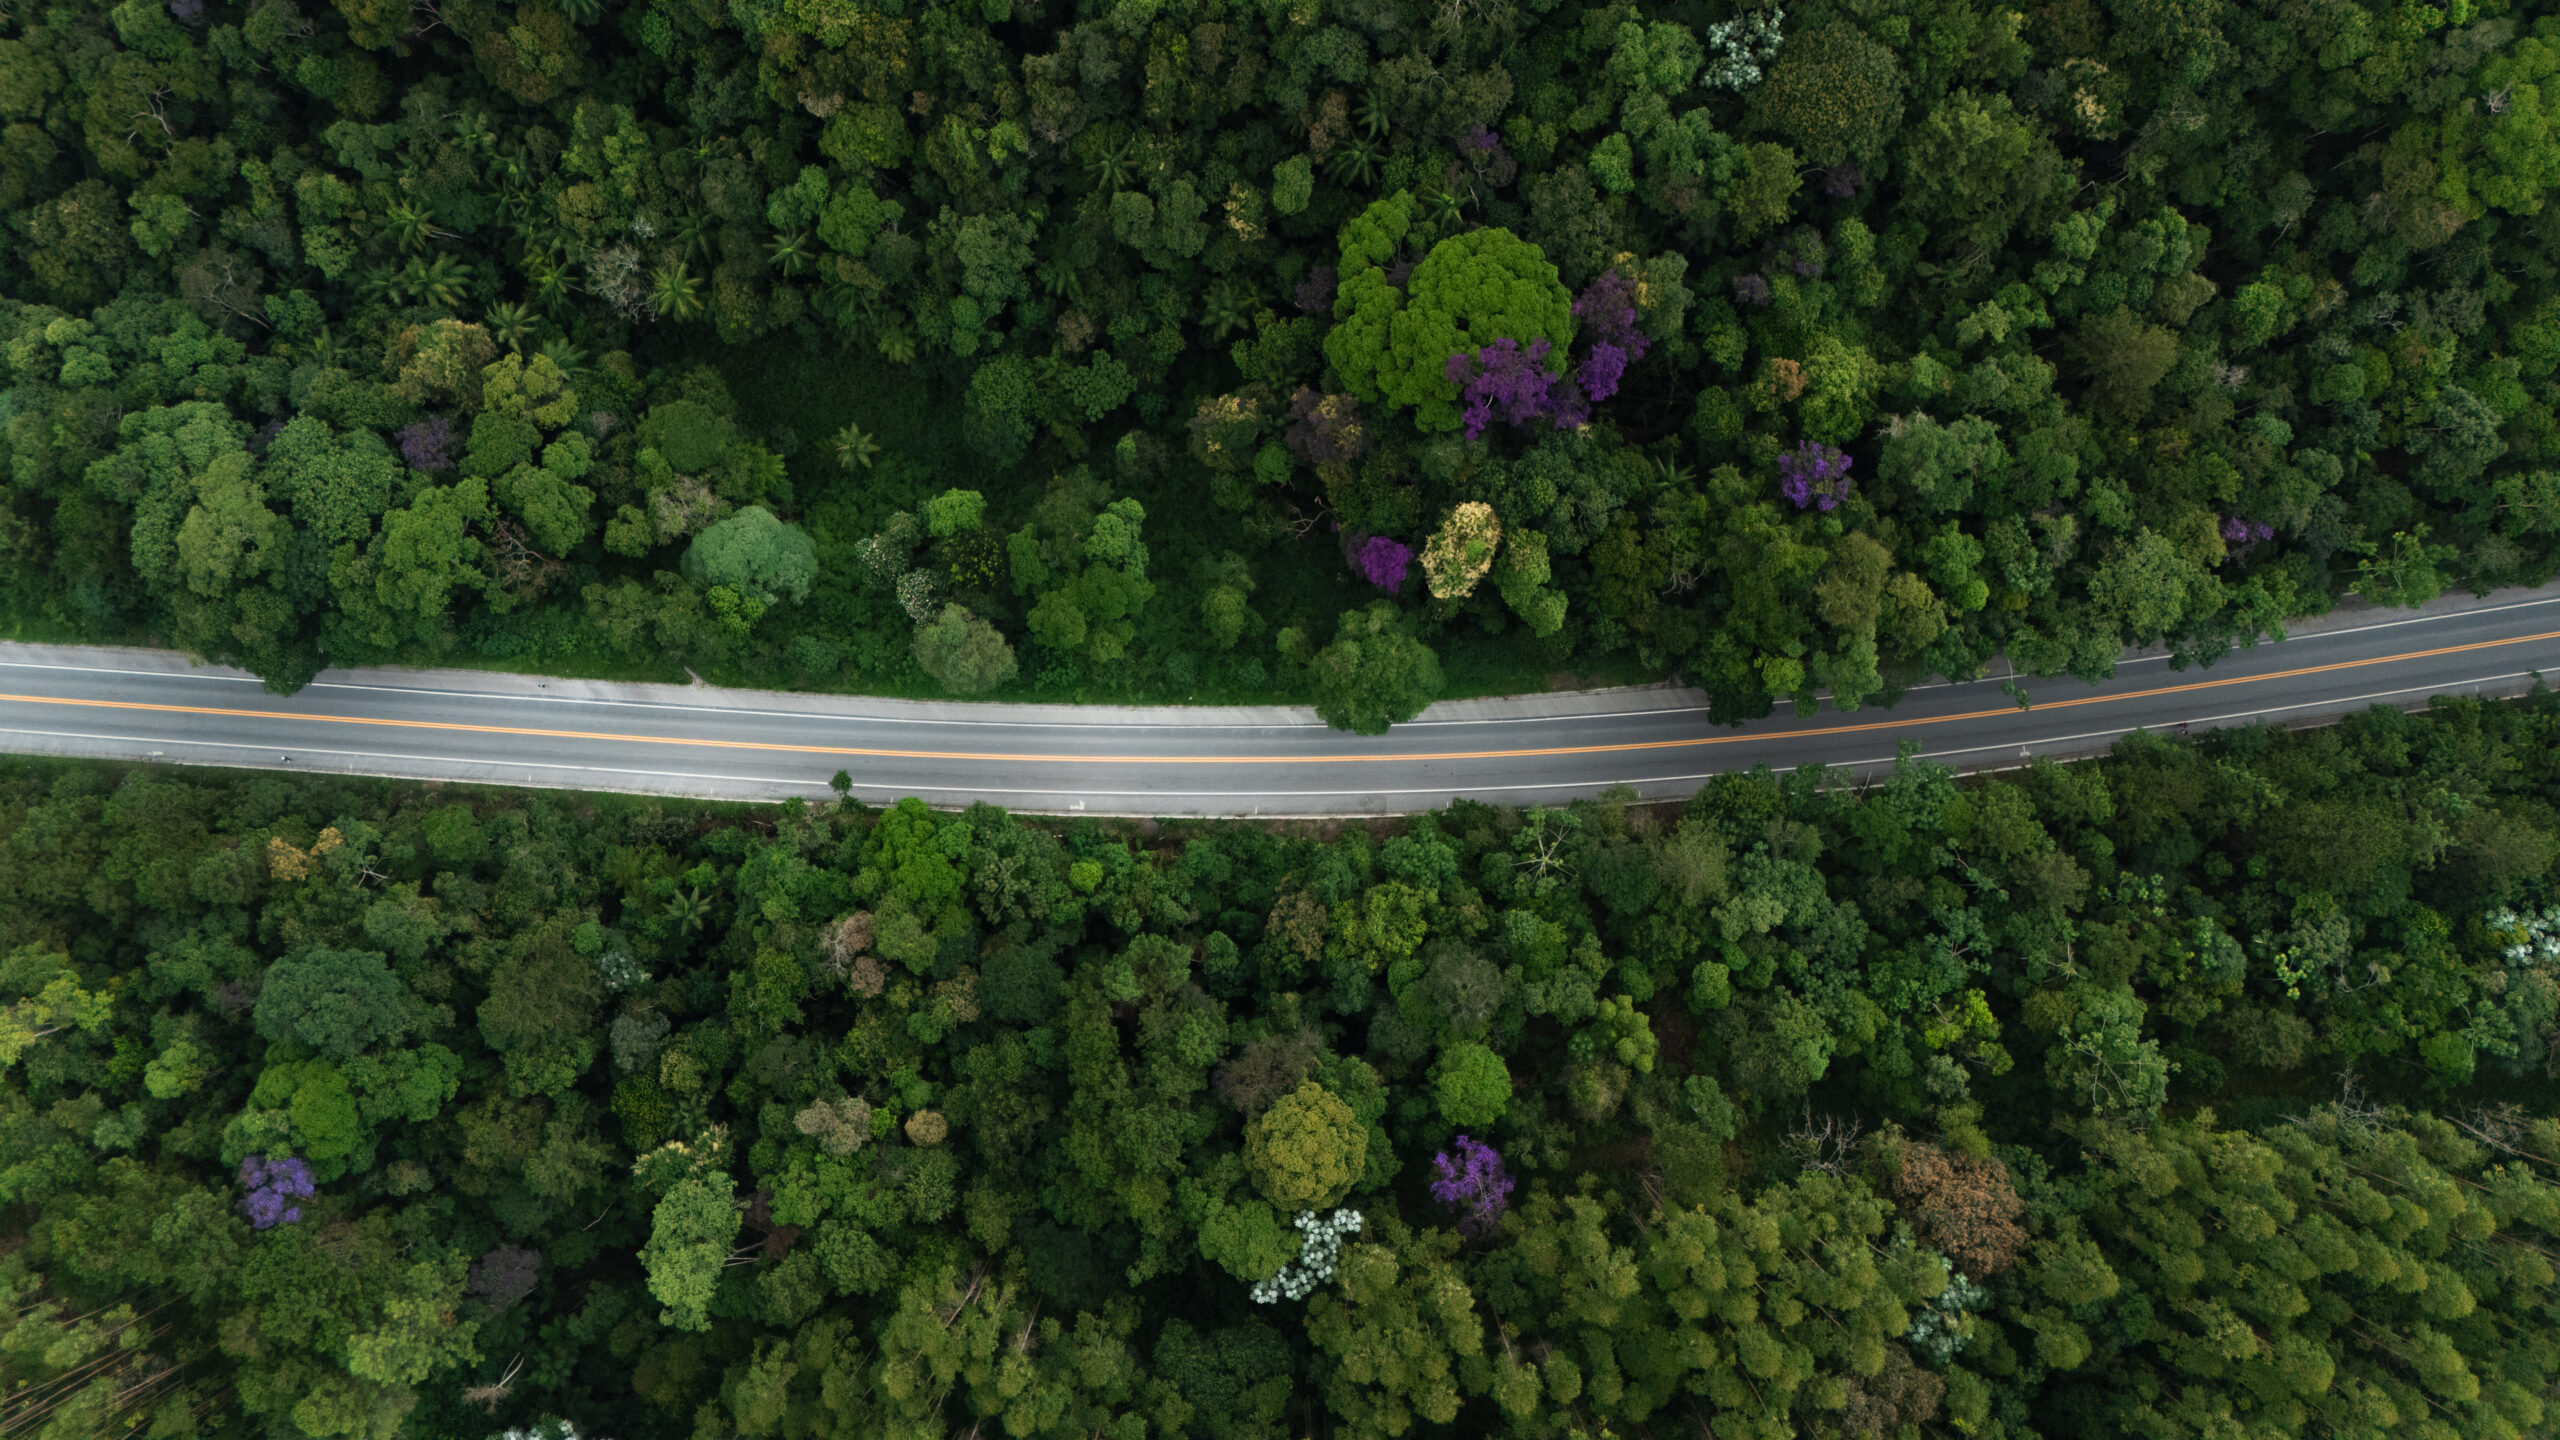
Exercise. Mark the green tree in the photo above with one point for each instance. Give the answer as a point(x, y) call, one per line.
point(1470, 1086)
point(46, 997)
point(1398, 1334)
point(963, 653)
point(1393, 345)
point(1973, 165)
point(756, 554)
point(338, 1003)
point(1307, 1150)
point(400, 590)
point(2334, 1264)
point(690, 1232)
point(1375, 673)
point(1835, 93)
point(2125, 360)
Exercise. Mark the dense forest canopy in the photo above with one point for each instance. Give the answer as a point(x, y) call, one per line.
point(1343, 349)
point(2204, 1091)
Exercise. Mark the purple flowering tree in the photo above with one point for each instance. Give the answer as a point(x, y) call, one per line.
point(1474, 1181)
point(1814, 476)
point(1751, 290)
point(1505, 382)
point(1382, 562)
point(428, 445)
point(2236, 531)
point(1482, 150)
point(1606, 315)
point(269, 1188)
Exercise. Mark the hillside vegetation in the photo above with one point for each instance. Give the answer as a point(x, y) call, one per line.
point(1345, 350)
point(2206, 1090)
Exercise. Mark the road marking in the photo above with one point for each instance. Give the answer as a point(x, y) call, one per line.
point(1619, 747)
point(800, 784)
point(1173, 712)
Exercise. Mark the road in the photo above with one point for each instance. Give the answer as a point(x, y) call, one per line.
point(474, 727)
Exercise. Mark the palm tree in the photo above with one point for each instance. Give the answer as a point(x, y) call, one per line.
point(408, 227)
point(1229, 307)
point(693, 235)
point(897, 343)
point(1355, 161)
point(321, 349)
point(1111, 171)
point(854, 449)
point(1373, 117)
point(549, 276)
point(689, 910)
point(511, 324)
point(563, 352)
point(674, 293)
point(789, 253)
point(441, 282)
point(1441, 209)
point(1058, 277)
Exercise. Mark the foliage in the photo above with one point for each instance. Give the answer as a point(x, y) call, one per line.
point(1887, 1102)
point(1375, 672)
point(1460, 553)
point(1307, 1150)
point(341, 338)
point(755, 554)
point(963, 653)
point(268, 1188)
point(1475, 1182)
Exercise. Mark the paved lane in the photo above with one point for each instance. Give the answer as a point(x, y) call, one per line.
point(1274, 761)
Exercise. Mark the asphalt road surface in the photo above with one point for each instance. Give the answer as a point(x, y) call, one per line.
point(468, 726)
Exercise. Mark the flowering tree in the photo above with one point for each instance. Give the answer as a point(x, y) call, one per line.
point(269, 1188)
point(1605, 315)
point(1474, 1181)
point(1324, 429)
point(1503, 380)
point(1383, 562)
point(1319, 1256)
point(1814, 476)
point(1519, 385)
point(1461, 554)
point(430, 444)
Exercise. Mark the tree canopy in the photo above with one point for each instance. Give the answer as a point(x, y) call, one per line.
point(2200, 1084)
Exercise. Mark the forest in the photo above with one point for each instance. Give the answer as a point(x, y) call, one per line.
point(1345, 351)
point(2205, 1090)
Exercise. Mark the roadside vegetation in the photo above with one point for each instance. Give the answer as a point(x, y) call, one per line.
point(2207, 1088)
point(1345, 351)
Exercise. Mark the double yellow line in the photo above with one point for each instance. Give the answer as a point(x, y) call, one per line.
point(1860, 727)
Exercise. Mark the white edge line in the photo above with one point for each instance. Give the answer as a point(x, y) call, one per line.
point(209, 673)
point(788, 783)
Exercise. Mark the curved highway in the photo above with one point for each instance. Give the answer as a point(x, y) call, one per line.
point(475, 727)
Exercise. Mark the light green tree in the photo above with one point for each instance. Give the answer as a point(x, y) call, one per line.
point(756, 554)
point(1393, 345)
point(1307, 1150)
point(690, 1233)
point(1470, 1085)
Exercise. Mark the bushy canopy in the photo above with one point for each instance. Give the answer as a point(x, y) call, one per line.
point(755, 553)
point(1392, 343)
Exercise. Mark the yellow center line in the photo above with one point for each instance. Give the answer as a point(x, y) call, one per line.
point(1860, 727)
